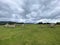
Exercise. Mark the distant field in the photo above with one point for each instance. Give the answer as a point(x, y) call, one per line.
point(30, 34)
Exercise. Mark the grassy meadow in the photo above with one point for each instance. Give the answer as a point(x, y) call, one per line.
point(30, 34)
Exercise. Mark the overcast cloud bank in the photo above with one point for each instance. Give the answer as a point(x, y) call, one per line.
point(30, 11)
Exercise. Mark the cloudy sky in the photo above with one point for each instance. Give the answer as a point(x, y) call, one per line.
point(30, 11)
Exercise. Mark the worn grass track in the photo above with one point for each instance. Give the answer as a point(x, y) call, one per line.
point(30, 34)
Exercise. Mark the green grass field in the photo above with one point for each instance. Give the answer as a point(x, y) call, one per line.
point(30, 34)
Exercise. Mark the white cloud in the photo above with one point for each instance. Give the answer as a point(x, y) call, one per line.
point(35, 10)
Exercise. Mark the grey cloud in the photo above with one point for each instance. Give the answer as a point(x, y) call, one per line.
point(29, 11)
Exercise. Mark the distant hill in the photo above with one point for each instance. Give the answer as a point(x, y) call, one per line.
point(4, 22)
